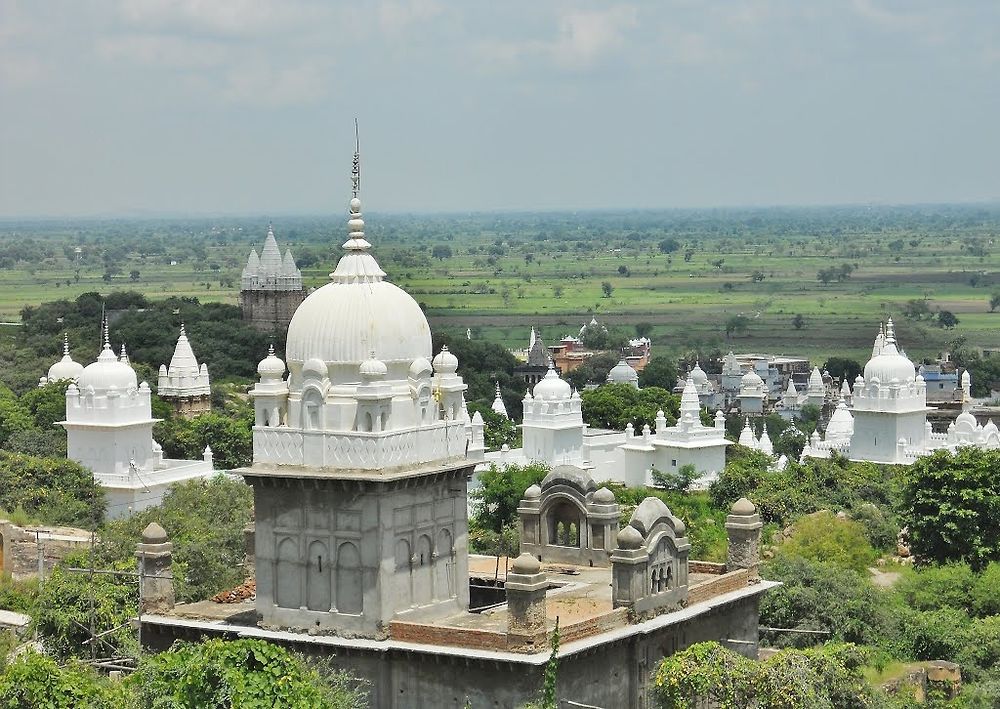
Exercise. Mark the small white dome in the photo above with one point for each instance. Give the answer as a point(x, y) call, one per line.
point(698, 375)
point(373, 368)
point(622, 373)
point(967, 419)
point(107, 372)
point(271, 366)
point(420, 368)
point(751, 380)
point(841, 424)
point(551, 386)
point(445, 362)
point(65, 368)
point(889, 365)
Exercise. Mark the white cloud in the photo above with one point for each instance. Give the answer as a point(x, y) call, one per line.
point(581, 38)
point(223, 17)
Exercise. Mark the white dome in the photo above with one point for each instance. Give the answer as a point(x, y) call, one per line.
point(343, 323)
point(445, 362)
point(968, 419)
point(373, 368)
point(271, 366)
point(358, 313)
point(751, 380)
point(889, 364)
point(841, 424)
point(106, 372)
point(622, 373)
point(698, 375)
point(551, 386)
point(66, 368)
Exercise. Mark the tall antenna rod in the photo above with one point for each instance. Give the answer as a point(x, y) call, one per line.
point(356, 168)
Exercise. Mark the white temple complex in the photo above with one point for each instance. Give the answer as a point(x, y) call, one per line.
point(886, 421)
point(109, 429)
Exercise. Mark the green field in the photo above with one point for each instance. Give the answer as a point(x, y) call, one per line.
point(508, 272)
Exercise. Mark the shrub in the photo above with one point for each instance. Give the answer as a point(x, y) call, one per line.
point(820, 596)
point(937, 587)
point(825, 537)
point(984, 596)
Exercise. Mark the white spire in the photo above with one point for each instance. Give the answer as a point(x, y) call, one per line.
point(66, 344)
point(498, 405)
point(357, 265)
point(184, 376)
point(690, 406)
point(747, 438)
point(123, 357)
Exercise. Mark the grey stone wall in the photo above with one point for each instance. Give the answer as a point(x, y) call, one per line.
point(609, 674)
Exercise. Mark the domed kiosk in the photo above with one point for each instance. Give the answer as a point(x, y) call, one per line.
point(360, 459)
point(889, 405)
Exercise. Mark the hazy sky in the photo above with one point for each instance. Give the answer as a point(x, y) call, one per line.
point(247, 106)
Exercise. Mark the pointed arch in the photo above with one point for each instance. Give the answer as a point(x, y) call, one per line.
point(318, 577)
point(288, 592)
point(350, 589)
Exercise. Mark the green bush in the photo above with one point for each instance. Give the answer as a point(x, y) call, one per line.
point(245, 673)
point(937, 587)
point(819, 596)
point(825, 537)
point(204, 520)
point(984, 596)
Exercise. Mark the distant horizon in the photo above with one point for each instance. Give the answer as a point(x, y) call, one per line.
point(151, 215)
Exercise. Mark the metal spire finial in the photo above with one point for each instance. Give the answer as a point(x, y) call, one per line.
point(65, 343)
point(356, 166)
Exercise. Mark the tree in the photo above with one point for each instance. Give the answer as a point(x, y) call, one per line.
point(757, 276)
point(35, 680)
point(994, 302)
point(616, 405)
point(557, 291)
point(441, 252)
point(229, 435)
point(917, 308)
point(607, 288)
point(843, 367)
point(659, 372)
point(825, 275)
point(949, 503)
point(498, 430)
point(14, 415)
point(205, 520)
point(946, 319)
point(246, 673)
point(798, 322)
point(736, 323)
point(133, 275)
point(668, 246)
point(494, 503)
point(643, 329)
point(707, 673)
point(679, 480)
point(822, 536)
point(55, 490)
point(594, 370)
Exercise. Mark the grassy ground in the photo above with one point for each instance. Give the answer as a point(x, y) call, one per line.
point(508, 273)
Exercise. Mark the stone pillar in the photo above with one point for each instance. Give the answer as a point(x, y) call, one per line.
point(155, 554)
point(743, 526)
point(629, 563)
point(526, 586)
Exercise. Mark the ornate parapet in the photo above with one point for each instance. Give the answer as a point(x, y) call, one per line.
point(649, 567)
